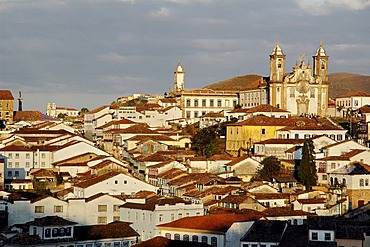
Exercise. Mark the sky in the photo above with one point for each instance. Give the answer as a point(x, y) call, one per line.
point(88, 53)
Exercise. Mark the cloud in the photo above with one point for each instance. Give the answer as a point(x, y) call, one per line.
point(113, 57)
point(11, 5)
point(161, 13)
point(215, 44)
point(326, 7)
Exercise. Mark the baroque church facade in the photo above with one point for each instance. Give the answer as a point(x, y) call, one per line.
point(304, 91)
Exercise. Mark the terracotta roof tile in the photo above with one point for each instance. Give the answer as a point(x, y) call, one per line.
point(117, 229)
point(265, 108)
point(214, 223)
point(94, 180)
point(354, 94)
point(165, 242)
point(151, 203)
point(6, 95)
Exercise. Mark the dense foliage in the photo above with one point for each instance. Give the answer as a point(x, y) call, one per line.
point(307, 173)
point(270, 167)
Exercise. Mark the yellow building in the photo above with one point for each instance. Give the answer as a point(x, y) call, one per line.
point(6, 106)
point(241, 136)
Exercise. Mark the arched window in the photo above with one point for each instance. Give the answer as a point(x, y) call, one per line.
point(214, 241)
point(361, 182)
point(48, 233)
point(177, 236)
point(194, 238)
point(185, 237)
point(188, 102)
point(168, 235)
point(204, 239)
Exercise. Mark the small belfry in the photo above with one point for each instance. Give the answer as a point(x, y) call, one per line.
point(277, 63)
point(179, 79)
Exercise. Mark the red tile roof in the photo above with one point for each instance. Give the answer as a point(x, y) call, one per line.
point(98, 179)
point(165, 242)
point(265, 108)
point(117, 229)
point(282, 141)
point(261, 120)
point(214, 223)
point(6, 95)
point(354, 94)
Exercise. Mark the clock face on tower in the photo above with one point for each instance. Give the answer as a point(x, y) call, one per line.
point(302, 86)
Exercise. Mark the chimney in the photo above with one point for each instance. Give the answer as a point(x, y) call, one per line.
point(20, 101)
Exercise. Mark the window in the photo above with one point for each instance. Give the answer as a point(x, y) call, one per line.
point(116, 218)
point(43, 164)
point(47, 233)
point(10, 156)
point(16, 164)
point(58, 209)
point(196, 103)
point(188, 102)
point(185, 238)
point(55, 232)
point(10, 164)
point(327, 236)
point(16, 173)
point(160, 218)
point(177, 236)
point(10, 174)
point(219, 103)
point(324, 177)
point(102, 208)
point(214, 241)
point(263, 131)
point(195, 114)
point(361, 182)
point(339, 137)
point(211, 103)
point(291, 92)
point(204, 239)
point(115, 208)
point(312, 93)
point(314, 236)
point(102, 220)
point(17, 155)
point(179, 216)
point(39, 209)
point(172, 217)
point(194, 238)
point(43, 156)
point(204, 103)
point(188, 114)
point(168, 235)
point(366, 182)
point(27, 164)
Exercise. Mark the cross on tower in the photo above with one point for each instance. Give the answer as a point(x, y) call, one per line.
point(303, 56)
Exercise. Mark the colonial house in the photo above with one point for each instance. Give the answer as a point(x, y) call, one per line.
point(113, 183)
point(96, 118)
point(276, 147)
point(222, 230)
point(145, 214)
point(242, 135)
point(352, 100)
point(243, 167)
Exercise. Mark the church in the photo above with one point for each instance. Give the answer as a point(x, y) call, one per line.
point(303, 91)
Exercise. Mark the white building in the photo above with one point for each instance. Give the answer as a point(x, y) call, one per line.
point(146, 214)
point(352, 100)
point(113, 183)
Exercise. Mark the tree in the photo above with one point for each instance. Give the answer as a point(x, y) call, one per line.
point(83, 111)
point(307, 173)
point(270, 167)
point(206, 142)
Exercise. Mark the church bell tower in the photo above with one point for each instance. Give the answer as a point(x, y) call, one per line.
point(320, 64)
point(179, 79)
point(277, 64)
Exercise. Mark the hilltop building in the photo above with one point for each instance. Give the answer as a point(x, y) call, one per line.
point(6, 106)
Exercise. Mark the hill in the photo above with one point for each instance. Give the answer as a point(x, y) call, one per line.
point(339, 83)
point(235, 84)
point(342, 82)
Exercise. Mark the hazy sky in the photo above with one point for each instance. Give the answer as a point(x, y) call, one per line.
point(87, 53)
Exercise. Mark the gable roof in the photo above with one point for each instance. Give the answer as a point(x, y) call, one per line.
point(265, 108)
point(116, 229)
point(214, 222)
point(354, 94)
point(261, 120)
point(6, 95)
point(160, 241)
point(151, 203)
point(32, 116)
point(94, 180)
point(265, 231)
point(50, 221)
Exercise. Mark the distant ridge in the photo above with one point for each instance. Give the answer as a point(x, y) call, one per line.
point(339, 83)
point(235, 84)
point(342, 82)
